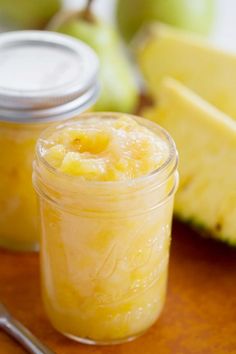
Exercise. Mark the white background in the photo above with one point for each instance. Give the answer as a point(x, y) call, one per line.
point(223, 33)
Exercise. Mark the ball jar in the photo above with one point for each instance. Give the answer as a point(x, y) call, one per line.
point(105, 245)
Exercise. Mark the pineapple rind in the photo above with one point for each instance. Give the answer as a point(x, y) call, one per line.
point(200, 228)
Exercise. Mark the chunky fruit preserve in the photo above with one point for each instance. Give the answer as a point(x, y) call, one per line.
point(105, 149)
point(18, 207)
point(106, 185)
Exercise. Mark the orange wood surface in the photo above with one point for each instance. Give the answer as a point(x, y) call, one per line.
point(199, 315)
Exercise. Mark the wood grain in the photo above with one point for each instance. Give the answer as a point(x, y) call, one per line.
point(199, 316)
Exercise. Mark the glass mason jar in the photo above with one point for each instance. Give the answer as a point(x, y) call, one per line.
point(44, 77)
point(105, 246)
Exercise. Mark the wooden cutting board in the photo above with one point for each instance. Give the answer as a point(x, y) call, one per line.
point(199, 316)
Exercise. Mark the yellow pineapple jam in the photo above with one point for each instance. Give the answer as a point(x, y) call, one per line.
point(18, 204)
point(106, 150)
point(106, 185)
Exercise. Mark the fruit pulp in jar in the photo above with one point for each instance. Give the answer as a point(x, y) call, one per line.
point(18, 203)
point(104, 270)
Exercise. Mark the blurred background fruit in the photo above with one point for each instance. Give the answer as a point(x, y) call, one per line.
point(197, 63)
point(27, 14)
point(118, 87)
point(192, 15)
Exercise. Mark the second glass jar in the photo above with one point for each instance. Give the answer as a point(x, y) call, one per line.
point(47, 77)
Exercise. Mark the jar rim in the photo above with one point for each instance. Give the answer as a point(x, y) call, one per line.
point(172, 158)
point(53, 114)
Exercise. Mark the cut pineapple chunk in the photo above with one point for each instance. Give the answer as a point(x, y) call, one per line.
point(206, 141)
point(55, 155)
point(164, 51)
point(73, 164)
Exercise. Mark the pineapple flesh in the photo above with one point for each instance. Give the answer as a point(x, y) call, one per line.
point(164, 51)
point(206, 141)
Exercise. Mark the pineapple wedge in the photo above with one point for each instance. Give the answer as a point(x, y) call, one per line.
point(164, 51)
point(206, 141)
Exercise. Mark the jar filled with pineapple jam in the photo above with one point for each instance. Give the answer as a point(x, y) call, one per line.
point(106, 185)
point(44, 77)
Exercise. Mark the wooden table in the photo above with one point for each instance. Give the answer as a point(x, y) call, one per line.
point(199, 316)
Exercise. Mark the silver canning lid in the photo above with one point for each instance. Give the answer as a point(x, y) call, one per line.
point(45, 76)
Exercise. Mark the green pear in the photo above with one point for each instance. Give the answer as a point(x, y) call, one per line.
point(118, 86)
point(27, 14)
point(193, 15)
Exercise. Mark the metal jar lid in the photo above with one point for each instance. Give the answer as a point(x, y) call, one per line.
point(45, 76)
